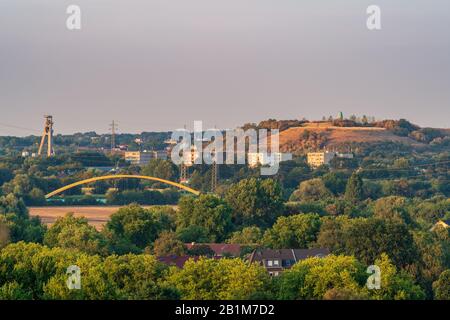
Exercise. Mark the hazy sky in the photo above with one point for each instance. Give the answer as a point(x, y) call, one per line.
point(159, 64)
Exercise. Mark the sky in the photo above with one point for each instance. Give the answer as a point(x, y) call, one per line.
point(158, 65)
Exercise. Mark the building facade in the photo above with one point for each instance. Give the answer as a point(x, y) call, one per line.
point(143, 157)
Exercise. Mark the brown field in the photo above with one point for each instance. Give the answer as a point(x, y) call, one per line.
point(338, 135)
point(97, 216)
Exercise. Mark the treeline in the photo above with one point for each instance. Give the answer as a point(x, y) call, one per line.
point(33, 271)
point(394, 231)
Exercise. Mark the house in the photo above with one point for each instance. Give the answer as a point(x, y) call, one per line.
point(441, 223)
point(220, 249)
point(276, 261)
point(144, 157)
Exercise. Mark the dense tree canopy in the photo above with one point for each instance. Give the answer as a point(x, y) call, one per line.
point(255, 202)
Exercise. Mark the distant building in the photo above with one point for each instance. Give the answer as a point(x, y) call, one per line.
point(259, 158)
point(317, 159)
point(276, 261)
point(143, 158)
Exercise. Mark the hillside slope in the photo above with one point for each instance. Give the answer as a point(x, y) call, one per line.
point(319, 136)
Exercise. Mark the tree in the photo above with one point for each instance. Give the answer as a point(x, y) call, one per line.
point(354, 191)
point(132, 228)
point(255, 202)
point(158, 168)
point(441, 287)
point(298, 231)
point(4, 234)
point(336, 182)
point(367, 239)
point(15, 216)
point(311, 190)
point(193, 233)
point(75, 233)
point(392, 208)
point(168, 244)
point(395, 285)
point(222, 279)
point(319, 278)
point(246, 236)
point(206, 211)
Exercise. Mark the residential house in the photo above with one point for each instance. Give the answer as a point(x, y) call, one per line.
point(276, 261)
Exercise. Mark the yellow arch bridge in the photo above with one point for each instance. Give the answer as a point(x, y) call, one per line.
point(121, 176)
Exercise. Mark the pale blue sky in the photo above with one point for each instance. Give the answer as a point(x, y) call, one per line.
point(159, 64)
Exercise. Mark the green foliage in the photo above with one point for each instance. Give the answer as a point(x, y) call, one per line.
point(441, 287)
point(336, 182)
point(34, 271)
point(206, 211)
point(4, 234)
point(193, 233)
point(246, 236)
point(14, 215)
point(354, 191)
point(395, 285)
point(311, 190)
point(168, 244)
point(368, 238)
point(255, 202)
point(75, 233)
point(133, 228)
point(158, 168)
point(298, 231)
point(222, 279)
point(392, 208)
point(314, 278)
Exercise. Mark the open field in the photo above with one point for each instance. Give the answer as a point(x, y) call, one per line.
point(291, 138)
point(96, 215)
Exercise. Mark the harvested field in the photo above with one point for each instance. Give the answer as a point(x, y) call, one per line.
point(335, 136)
point(97, 216)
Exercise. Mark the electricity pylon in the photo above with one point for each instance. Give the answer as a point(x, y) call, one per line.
point(48, 133)
point(214, 175)
point(113, 126)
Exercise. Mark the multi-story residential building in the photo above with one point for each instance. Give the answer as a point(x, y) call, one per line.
point(144, 157)
point(317, 159)
point(276, 261)
point(258, 158)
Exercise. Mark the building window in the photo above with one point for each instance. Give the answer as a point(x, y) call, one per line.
point(269, 263)
point(276, 263)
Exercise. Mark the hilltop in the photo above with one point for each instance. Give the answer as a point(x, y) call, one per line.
point(299, 136)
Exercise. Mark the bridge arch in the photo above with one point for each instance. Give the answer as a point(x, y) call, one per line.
point(120, 176)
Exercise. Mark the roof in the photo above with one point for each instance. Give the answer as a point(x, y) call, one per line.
point(219, 249)
point(287, 254)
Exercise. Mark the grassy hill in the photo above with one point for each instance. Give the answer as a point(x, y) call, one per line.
point(313, 136)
